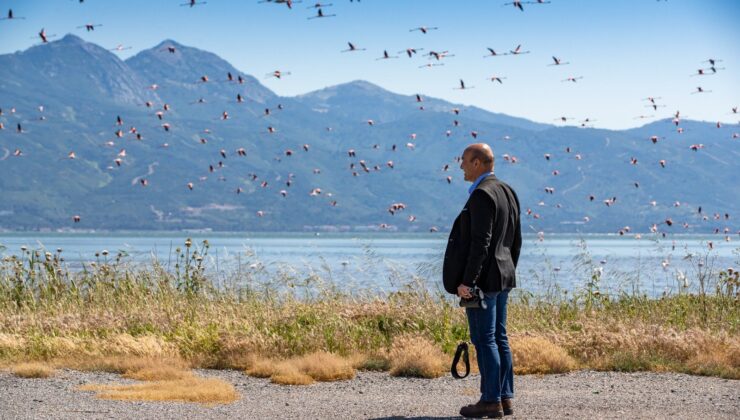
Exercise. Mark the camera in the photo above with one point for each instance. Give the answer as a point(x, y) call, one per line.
point(477, 301)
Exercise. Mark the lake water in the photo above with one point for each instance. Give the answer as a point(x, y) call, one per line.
point(387, 260)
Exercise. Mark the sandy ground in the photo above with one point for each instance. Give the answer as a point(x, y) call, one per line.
point(578, 395)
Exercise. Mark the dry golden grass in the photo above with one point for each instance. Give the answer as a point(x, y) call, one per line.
point(325, 367)
point(129, 313)
point(194, 389)
point(719, 360)
point(652, 348)
point(287, 373)
point(303, 370)
point(11, 343)
point(167, 380)
point(261, 368)
point(33, 370)
point(540, 355)
point(142, 346)
point(234, 353)
point(417, 356)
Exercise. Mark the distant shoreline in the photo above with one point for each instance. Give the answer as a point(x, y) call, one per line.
point(123, 232)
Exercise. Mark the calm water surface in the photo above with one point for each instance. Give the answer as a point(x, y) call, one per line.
point(386, 260)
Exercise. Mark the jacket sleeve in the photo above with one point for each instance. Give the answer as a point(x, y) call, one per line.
point(482, 212)
point(517, 245)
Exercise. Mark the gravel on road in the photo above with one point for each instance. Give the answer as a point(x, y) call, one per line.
point(371, 395)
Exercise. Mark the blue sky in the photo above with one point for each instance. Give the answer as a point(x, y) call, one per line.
point(625, 50)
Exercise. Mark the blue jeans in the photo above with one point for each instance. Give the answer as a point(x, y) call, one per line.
point(488, 334)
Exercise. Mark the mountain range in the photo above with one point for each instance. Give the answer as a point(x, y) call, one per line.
point(183, 140)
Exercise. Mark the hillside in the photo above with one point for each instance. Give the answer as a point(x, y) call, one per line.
point(83, 89)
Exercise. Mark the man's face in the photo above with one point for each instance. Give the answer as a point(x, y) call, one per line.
point(469, 168)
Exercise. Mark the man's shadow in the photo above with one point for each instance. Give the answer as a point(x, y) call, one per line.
point(416, 418)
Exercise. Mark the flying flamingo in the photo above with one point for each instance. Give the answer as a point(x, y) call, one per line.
point(517, 5)
point(278, 74)
point(702, 72)
point(572, 79)
point(439, 55)
point(430, 65)
point(518, 50)
point(411, 51)
point(493, 53)
point(193, 3)
point(119, 47)
point(11, 16)
point(563, 119)
point(320, 14)
point(424, 29)
point(90, 26)
point(386, 56)
point(558, 61)
point(462, 86)
point(44, 37)
point(288, 3)
point(352, 47)
point(712, 61)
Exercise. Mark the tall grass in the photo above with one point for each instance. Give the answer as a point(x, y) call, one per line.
point(112, 308)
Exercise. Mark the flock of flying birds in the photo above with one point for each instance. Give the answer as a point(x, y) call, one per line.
point(709, 67)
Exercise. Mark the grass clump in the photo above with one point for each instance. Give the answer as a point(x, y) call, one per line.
point(417, 356)
point(164, 380)
point(287, 373)
point(193, 389)
point(33, 370)
point(539, 355)
point(303, 370)
point(325, 367)
point(261, 368)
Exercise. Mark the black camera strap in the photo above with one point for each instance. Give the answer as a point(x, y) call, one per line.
point(462, 350)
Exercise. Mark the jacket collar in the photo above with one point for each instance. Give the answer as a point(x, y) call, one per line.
point(480, 179)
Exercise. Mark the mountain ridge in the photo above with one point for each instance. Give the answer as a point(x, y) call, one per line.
point(314, 160)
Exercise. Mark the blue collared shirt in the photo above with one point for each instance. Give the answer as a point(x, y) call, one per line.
point(477, 181)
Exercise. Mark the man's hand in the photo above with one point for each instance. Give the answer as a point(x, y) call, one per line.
point(464, 291)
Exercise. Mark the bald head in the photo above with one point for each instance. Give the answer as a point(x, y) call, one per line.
point(481, 152)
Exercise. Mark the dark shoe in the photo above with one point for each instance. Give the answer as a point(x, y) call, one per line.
point(508, 406)
point(483, 409)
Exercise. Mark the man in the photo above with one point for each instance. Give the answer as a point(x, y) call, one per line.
point(483, 251)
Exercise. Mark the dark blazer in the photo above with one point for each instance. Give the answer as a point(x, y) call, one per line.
point(485, 240)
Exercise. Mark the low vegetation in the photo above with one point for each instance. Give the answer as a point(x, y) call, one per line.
point(32, 370)
point(295, 329)
point(164, 379)
point(193, 389)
